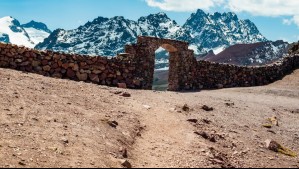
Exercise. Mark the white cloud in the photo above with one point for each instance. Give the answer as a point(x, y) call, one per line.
point(184, 5)
point(287, 21)
point(265, 7)
point(271, 8)
point(293, 20)
point(296, 19)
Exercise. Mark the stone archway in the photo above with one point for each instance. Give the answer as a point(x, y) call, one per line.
point(163, 67)
point(181, 61)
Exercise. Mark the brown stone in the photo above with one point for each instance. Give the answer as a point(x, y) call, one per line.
point(126, 163)
point(82, 77)
point(94, 78)
point(62, 57)
point(65, 65)
point(60, 63)
point(47, 68)
point(19, 60)
point(122, 85)
point(219, 86)
point(54, 66)
point(21, 50)
point(35, 63)
point(207, 108)
point(126, 94)
point(70, 73)
point(103, 76)
point(96, 71)
point(82, 64)
point(75, 67)
point(192, 120)
point(71, 65)
point(102, 67)
point(45, 62)
point(25, 63)
point(57, 75)
point(48, 57)
point(56, 56)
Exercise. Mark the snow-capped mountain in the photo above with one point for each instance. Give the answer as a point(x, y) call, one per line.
point(251, 54)
point(218, 31)
point(160, 25)
point(29, 35)
point(107, 36)
point(37, 31)
point(102, 36)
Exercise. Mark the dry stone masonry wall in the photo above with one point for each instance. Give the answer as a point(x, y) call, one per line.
point(99, 70)
point(135, 68)
point(214, 75)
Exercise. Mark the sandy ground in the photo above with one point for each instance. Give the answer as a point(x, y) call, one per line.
point(48, 122)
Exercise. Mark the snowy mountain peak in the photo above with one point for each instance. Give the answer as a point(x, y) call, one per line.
point(11, 31)
point(37, 25)
point(118, 18)
point(220, 30)
point(160, 15)
point(155, 18)
point(107, 36)
point(7, 19)
point(100, 20)
point(199, 13)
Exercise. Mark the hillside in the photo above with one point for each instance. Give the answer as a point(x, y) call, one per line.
point(61, 123)
point(250, 54)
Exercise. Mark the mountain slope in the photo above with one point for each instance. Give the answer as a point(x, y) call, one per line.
point(107, 36)
point(218, 31)
point(37, 25)
point(102, 36)
point(30, 34)
point(250, 54)
point(16, 33)
point(4, 38)
point(37, 31)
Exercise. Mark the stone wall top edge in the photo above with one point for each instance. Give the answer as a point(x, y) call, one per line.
point(50, 52)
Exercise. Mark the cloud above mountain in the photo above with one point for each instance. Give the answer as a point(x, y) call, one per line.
point(269, 8)
point(184, 5)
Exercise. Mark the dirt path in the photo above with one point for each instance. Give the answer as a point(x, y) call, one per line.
point(167, 141)
point(61, 123)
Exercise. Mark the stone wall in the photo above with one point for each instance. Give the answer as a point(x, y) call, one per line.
point(215, 75)
point(99, 70)
point(135, 68)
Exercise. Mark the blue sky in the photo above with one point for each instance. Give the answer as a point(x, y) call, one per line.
point(276, 21)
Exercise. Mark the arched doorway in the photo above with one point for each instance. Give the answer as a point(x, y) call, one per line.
point(181, 62)
point(162, 66)
point(161, 72)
